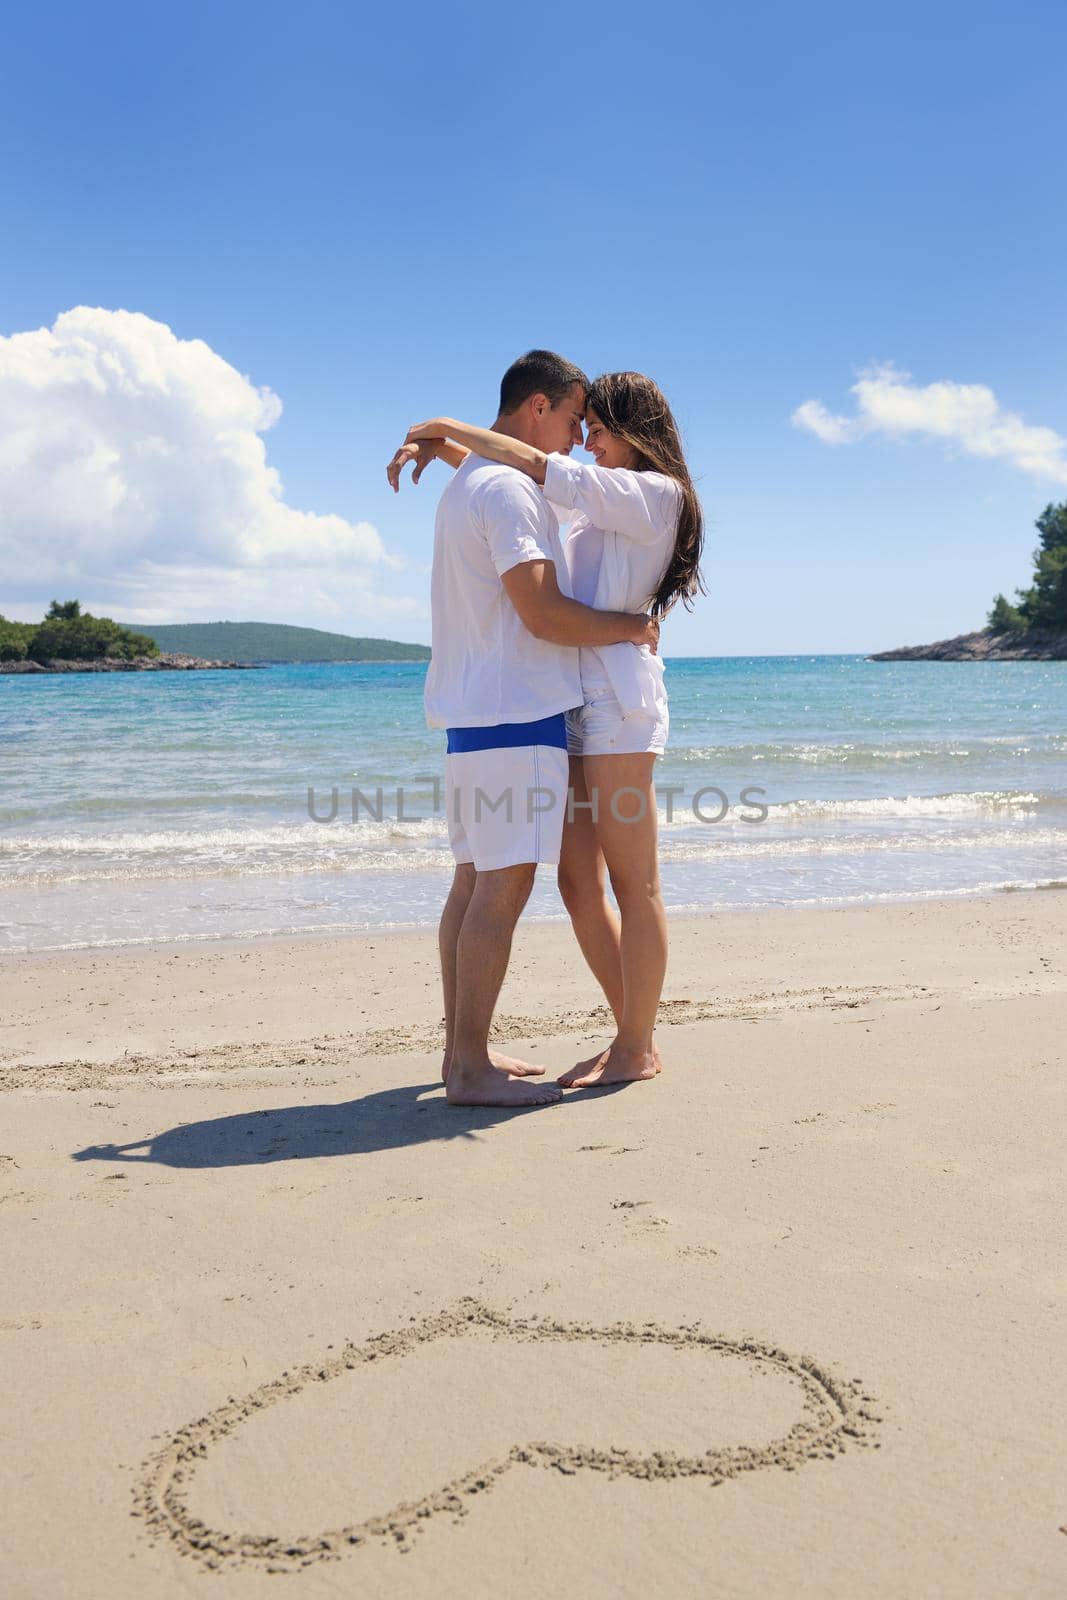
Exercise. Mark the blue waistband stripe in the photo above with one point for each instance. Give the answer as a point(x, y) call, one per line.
point(509, 735)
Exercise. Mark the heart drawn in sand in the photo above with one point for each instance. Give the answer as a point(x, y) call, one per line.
point(833, 1415)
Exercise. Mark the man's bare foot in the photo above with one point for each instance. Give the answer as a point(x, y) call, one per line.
point(576, 1076)
point(480, 1083)
point(614, 1065)
point(511, 1064)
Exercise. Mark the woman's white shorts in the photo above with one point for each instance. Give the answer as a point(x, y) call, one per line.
point(601, 727)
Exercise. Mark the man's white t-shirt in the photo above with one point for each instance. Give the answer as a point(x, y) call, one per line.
point(486, 667)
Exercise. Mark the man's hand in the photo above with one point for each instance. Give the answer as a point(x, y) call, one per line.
point(532, 588)
point(421, 452)
point(652, 635)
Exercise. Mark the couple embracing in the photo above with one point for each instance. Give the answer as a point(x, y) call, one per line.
point(546, 677)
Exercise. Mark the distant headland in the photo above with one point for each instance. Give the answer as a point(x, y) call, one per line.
point(275, 642)
point(71, 640)
point(1033, 630)
point(162, 661)
point(986, 645)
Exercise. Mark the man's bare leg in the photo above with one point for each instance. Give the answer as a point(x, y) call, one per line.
point(482, 952)
point(459, 897)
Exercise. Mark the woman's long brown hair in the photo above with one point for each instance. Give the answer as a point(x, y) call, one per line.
point(633, 408)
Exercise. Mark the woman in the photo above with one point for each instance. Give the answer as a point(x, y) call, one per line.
point(634, 543)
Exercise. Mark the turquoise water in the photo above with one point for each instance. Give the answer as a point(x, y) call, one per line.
point(135, 807)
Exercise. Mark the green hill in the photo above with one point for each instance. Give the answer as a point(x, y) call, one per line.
point(275, 641)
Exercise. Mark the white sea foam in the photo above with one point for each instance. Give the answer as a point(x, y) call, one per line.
point(861, 844)
point(338, 841)
point(845, 753)
point(282, 837)
point(705, 844)
point(961, 804)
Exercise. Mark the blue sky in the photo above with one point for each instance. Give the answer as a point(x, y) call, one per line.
point(370, 213)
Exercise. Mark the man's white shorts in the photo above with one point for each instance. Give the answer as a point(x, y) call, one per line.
point(506, 806)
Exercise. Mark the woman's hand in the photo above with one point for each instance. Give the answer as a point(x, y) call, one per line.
point(502, 447)
point(421, 452)
point(436, 428)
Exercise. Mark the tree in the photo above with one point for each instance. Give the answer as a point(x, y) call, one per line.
point(1052, 526)
point(1044, 603)
point(14, 639)
point(1004, 618)
point(70, 634)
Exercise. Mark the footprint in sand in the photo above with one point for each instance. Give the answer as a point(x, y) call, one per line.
point(391, 1427)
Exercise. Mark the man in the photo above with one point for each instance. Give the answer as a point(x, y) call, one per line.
point(503, 672)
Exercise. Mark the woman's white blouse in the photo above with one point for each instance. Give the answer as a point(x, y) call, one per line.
point(633, 518)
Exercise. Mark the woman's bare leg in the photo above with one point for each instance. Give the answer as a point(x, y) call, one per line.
point(583, 887)
point(626, 830)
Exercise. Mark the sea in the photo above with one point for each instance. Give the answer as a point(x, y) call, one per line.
point(304, 800)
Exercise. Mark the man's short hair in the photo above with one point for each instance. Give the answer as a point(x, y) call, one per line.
point(538, 372)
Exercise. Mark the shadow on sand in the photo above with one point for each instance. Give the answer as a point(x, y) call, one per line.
point(388, 1120)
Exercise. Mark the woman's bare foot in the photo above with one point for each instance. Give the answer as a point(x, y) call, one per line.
point(480, 1083)
point(581, 1074)
point(615, 1065)
point(581, 1069)
point(511, 1064)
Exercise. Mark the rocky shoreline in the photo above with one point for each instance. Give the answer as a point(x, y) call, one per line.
point(172, 661)
point(1009, 646)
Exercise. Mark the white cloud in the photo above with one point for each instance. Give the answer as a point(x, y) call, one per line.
point(814, 416)
point(132, 466)
point(966, 415)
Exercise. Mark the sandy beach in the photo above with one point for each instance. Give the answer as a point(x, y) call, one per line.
point(786, 1321)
